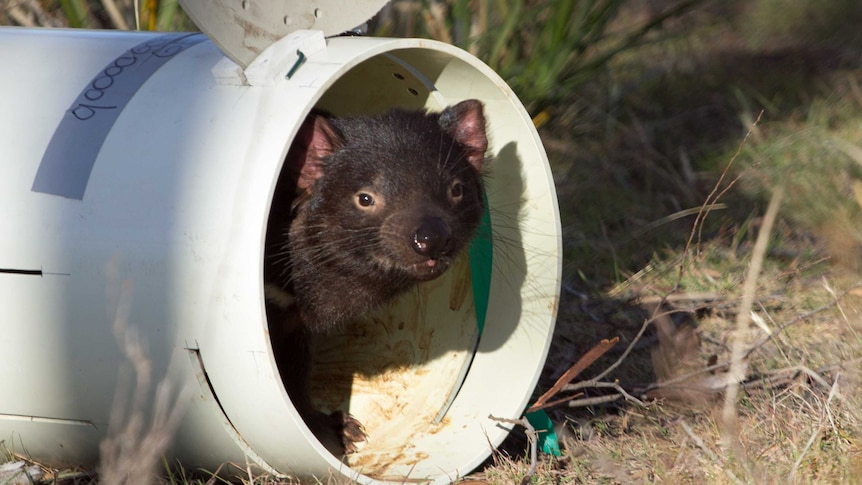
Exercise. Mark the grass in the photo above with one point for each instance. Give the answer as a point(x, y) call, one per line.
point(161, 15)
point(636, 152)
point(661, 138)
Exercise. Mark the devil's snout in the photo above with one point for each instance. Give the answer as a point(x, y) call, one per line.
point(432, 238)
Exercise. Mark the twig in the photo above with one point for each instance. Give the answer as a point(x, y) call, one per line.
point(212, 479)
point(587, 360)
point(687, 376)
point(712, 199)
point(781, 377)
point(688, 297)
point(594, 401)
point(712, 456)
point(833, 391)
point(672, 217)
point(832, 292)
point(532, 436)
point(737, 361)
point(596, 381)
point(626, 352)
point(776, 378)
point(719, 383)
point(248, 471)
point(605, 385)
point(814, 376)
point(802, 317)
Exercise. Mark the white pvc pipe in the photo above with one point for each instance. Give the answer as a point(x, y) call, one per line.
point(135, 153)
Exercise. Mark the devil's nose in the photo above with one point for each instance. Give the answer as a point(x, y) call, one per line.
point(432, 238)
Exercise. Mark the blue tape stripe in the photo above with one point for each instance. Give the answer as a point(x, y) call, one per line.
point(69, 158)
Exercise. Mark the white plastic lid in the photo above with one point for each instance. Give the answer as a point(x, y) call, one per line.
point(244, 28)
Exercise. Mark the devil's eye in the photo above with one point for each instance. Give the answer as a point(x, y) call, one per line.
point(364, 200)
point(456, 190)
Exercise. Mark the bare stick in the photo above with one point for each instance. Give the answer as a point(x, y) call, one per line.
point(738, 361)
point(599, 350)
point(594, 401)
point(601, 399)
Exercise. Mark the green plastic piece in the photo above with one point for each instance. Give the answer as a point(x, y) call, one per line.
point(547, 437)
point(481, 259)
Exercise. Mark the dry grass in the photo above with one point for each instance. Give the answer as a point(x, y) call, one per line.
point(677, 117)
point(137, 438)
point(636, 154)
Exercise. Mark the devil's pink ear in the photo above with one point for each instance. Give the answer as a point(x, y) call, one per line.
point(465, 123)
point(316, 140)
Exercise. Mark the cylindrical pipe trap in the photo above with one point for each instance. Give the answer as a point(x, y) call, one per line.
point(147, 163)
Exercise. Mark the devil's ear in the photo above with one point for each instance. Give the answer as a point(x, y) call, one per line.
point(465, 123)
point(316, 140)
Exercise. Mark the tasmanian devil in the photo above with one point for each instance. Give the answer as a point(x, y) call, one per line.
point(380, 203)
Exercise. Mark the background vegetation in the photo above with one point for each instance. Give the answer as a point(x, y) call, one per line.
point(670, 125)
